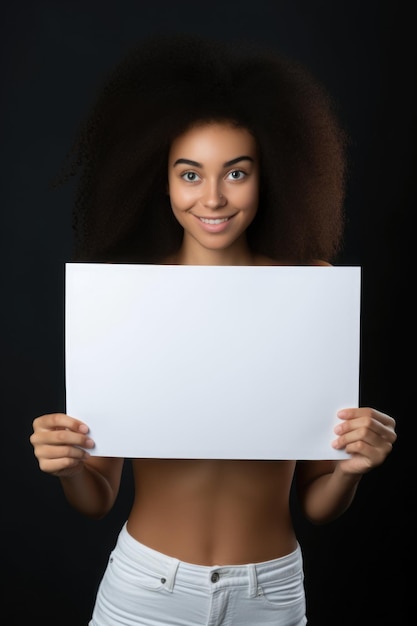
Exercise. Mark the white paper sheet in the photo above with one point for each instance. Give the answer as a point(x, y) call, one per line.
point(212, 362)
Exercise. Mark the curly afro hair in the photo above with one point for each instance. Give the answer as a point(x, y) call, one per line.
point(162, 87)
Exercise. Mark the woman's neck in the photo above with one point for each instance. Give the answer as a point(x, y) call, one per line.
point(190, 254)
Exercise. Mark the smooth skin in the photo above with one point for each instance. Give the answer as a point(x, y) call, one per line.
point(215, 511)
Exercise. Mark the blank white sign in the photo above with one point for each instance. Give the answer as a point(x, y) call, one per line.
point(171, 361)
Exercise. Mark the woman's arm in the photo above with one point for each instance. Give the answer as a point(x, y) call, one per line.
point(90, 484)
point(327, 488)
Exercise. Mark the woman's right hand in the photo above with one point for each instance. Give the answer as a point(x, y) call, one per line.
point(59, 441)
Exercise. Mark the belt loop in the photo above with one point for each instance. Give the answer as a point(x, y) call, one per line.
point(169, 582)
point(253, 581)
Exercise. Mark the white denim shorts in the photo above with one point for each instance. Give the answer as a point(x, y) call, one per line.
point(142, 587)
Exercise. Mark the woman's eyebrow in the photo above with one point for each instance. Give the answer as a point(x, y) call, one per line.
point(188, 162)
point(227, 164)
point(240, 158)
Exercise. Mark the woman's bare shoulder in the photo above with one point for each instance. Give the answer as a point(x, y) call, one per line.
point(264, 260)
point(320, 262)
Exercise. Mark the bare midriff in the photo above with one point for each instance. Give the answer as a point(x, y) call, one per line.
point(213, 512)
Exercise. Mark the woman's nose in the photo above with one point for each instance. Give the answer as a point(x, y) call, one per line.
point(213, 197)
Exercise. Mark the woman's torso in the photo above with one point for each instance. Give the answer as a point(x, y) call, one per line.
point(213, 512)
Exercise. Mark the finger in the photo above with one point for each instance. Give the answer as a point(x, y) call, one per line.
point(48, 453)
point(370, 455)
point(359, 429)
point(59, 438)
point(60, 466)
point(52, 421)
point(365, 435)
point(367, 412)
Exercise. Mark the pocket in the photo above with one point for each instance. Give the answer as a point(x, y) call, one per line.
point(134, 574)
point(283, 592)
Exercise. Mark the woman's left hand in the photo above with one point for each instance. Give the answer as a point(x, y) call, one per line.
point(367, 435)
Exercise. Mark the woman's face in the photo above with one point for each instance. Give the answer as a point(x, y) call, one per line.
point(213, 183)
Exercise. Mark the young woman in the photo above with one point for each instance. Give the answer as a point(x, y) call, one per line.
point(196, 154)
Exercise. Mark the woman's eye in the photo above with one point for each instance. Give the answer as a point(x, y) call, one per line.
point(237, 175)
point(190, 177)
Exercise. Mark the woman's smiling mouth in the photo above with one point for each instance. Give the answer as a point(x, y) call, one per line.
point(214, 225)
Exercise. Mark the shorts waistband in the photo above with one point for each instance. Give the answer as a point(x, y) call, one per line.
point(172, 570)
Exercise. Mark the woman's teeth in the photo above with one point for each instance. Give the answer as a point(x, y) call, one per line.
point(216, 221)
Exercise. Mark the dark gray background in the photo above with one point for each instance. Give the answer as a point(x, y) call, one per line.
point(53, 57)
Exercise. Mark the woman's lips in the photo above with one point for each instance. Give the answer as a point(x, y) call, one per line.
point(214, 224)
